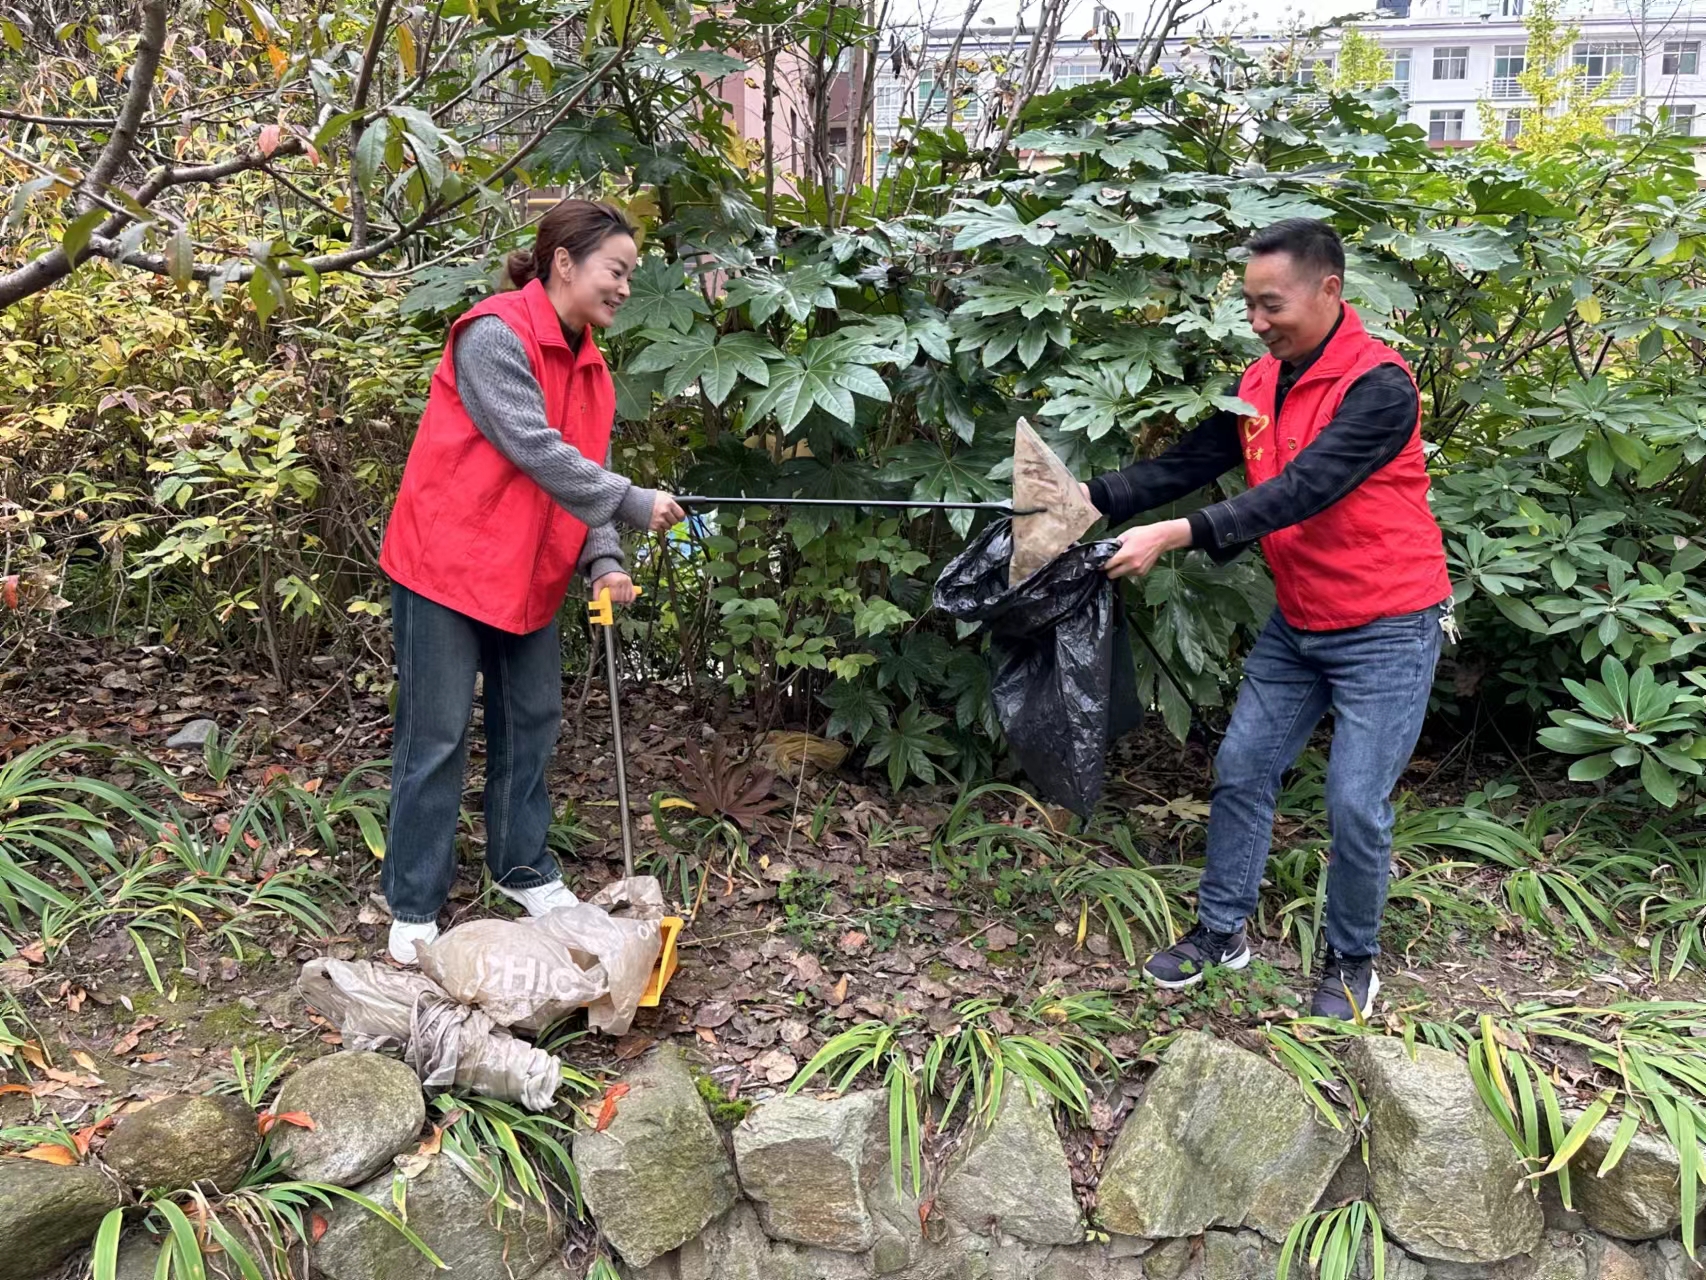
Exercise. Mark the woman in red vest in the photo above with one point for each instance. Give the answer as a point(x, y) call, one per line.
point(503, 500)
point(1338, 498)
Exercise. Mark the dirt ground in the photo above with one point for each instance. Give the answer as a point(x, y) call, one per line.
point(834, 912)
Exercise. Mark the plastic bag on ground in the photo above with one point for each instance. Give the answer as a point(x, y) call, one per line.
point(447, 1044)
point(1062, 678)
point(528, 973)
point(625, 949)
point(516, 973)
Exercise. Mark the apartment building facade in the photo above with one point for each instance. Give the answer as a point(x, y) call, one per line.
point(1447, 57)
point(1450, 56)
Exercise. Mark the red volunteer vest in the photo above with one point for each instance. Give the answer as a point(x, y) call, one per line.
point(1375, 553)
point(471, 530)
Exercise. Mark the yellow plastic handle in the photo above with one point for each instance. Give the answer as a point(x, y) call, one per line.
point(599, 611)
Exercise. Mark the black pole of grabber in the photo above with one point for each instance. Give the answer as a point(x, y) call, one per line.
point(886, 504)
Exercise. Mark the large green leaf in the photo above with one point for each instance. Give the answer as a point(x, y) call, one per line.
point(980, 224)
point(660, 298)
point(699, 355)
point(823, 375)
point(798, 293)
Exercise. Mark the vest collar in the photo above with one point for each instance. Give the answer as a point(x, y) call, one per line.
point(1338, 353)
point(547, 327)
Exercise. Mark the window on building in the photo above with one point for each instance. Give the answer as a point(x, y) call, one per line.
point(1622, 123)
point(1681, 58)
point(1451, 62)
point(1313, 71)
point(1513, 123)
point(885, 102)
point(1509, 62)
point(1446, 125)
point(1680, 118)
point(1602, 61)
point(1511, 8)
point(1399, 77)
point(1069, 75)
point(1454, 8)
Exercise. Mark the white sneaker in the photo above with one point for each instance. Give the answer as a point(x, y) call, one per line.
point(406, 937)
point(541, 897)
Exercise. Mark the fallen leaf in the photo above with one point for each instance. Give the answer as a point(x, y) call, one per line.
point(49, 1153)
point(74, 1000)
point(124, 1044)
point(85, 1135)
point(13, 1088)
point(1000, 938)
point(269, 139)
point(852, 940)
point(75, 1081)
point(316, 1228)
point(84, 1060)
point(806, 965)
point(630, 1047)
point(35, 953)
point(839, 995)
point(777, 1066)
point(152, 1057)
point(713, 1014)
point(266, 1121)
point(706, 1034)
point(607, 1108)
point(924, 1207)
point(963, 957)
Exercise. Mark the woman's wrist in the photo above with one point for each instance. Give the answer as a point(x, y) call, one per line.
point(635, 509)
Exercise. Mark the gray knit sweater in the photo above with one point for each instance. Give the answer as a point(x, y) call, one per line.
point(503, 398)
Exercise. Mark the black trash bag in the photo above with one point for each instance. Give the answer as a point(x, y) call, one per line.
point(1062, 677)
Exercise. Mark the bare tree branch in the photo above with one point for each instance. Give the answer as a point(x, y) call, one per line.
point(54, 265)
point(142, 72)
point(363, 84)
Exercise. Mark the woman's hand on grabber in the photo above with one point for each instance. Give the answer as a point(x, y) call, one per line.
point(666, 512)
point(620, 585)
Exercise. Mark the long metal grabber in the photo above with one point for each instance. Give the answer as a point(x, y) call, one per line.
point(885, 504)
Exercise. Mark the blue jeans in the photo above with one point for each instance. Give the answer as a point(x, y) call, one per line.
point(438, 652)
point(1376, 679)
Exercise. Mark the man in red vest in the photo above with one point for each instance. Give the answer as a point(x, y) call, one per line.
point(1338, 497)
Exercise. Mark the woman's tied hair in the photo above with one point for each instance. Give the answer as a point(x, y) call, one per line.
point(580, 226)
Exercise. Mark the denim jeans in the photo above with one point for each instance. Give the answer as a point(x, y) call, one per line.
point(437, 653)
point(1376, 679)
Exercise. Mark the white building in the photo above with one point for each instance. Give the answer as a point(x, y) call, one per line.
point(1447, 58)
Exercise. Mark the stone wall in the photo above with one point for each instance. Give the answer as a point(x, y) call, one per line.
point(1220, 1156)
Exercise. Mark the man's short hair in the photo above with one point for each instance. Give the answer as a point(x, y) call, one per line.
point(1311, 243)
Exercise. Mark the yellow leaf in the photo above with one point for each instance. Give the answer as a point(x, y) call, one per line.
point(279, 58)
point(49, 1153)
point(1083, 921)
point(83, 1060)
point(406, 48)
point(1588, 309)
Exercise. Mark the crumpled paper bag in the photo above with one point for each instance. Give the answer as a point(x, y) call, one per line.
point(1041, 480)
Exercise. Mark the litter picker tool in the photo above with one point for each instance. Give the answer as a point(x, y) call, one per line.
point(883, 504)
point(601, 614)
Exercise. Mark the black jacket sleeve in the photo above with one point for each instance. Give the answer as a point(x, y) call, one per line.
point(1373, 424)
point(1202, 455)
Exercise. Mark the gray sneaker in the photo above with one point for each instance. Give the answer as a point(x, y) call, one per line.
point(1185, 962)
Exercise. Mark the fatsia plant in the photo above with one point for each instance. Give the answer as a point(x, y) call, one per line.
point(1629, 721)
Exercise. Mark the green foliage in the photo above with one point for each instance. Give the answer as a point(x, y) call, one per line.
point(877, 342)
point(1330, 1242)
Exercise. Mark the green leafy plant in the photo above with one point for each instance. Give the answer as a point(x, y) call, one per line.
point(877, 1047)
point(1330, 1242)
point(1626, 721)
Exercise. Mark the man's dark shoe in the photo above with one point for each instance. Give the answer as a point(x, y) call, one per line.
point(1185, 962)
point(1348, 987)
